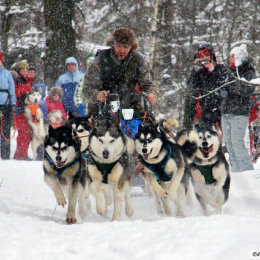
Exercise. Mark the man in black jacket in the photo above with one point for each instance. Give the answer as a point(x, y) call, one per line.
point(208, 77)
point(118, 70)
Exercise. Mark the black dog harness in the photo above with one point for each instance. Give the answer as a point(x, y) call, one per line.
point(59, 171)
point(206, 171)
point(105, 169)
point(159, 168)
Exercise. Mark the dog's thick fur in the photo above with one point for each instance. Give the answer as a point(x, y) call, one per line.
point(110, 167)
point(63, 170)
point(36, 121)
point(209, 169)
point(165, 166)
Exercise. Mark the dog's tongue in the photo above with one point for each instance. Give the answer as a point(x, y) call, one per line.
point(207, 150)
point(146, 155)
point(60, 164)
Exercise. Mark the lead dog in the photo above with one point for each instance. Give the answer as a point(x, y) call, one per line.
point(34, 116)
point(63, 171)
point(209, 169)
point(110, 167)
point(165, 165)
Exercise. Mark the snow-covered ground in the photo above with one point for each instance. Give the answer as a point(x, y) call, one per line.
point(32, 227)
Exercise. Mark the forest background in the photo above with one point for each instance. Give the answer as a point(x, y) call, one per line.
point(46, 32)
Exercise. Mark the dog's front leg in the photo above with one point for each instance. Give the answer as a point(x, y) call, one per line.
point(73, 195)
point(149, 176)
point(83, 200)
point(166, 202)
point(53, 183)
point(96, 189)
point(129, 210)
point(177, 174)
point(118, 202)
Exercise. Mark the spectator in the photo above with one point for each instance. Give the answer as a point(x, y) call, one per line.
point(79, 101)
point(42, 103)
point(53, 102)
point(208, 77)
point(119, 69)
point(7, 103)
point(68, 82)
point(236, 107)
point(31, 75)
point(22, 86)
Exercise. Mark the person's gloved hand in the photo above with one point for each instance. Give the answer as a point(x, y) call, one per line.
point(81, 109)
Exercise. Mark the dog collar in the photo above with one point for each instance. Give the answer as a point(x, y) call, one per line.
point(59, 171)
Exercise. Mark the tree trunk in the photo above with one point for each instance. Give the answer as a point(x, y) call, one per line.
point(60, 37)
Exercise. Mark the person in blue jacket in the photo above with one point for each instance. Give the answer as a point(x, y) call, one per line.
point(68, 82)
point(7, 105)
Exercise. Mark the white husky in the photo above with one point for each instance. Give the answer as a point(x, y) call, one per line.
point(34, 116)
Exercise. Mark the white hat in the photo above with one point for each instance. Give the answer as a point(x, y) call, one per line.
point(240, 54)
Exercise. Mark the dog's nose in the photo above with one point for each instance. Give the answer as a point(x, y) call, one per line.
point(144, 150)
point(105, 154)
point(58, 158)
point(205, 144)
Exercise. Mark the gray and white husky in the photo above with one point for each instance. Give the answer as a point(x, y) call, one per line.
point(110, 167)
point(210, 170)
point(64, 172)
point(165, 165)
point(34, 116)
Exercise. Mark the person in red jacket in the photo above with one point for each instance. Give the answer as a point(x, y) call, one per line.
point(22, 87)
point(53, 102)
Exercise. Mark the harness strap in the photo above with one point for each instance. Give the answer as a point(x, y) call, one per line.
point(33, 108)
point(59, 171)
point(159, 168)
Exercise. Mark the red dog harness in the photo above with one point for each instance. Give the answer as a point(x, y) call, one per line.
point(33, 108)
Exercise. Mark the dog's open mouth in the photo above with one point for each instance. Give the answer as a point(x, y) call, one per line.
point(60, 164)
point(206, 150)
point(146, 155)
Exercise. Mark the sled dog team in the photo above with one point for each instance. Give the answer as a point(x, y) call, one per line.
point(81, 159)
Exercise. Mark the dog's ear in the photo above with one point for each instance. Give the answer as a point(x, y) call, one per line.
point(51, 129)
point(39, 90)
point(70, 115)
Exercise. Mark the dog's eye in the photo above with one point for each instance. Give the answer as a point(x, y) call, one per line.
point(141, 140)
point(80, 131)
point(54, 148)
point(100, 140)
point(149, 140)
point(112, 141)
point(64, 148)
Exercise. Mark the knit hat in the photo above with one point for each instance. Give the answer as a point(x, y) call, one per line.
point(1, 57)
point(21, 65)
point(123, 35)
point(240, 54)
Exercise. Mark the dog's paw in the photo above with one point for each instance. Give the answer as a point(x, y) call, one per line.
point(101, 209)
point(129, 211)
point(163, 194)
point(71, 219)
point(61, 201)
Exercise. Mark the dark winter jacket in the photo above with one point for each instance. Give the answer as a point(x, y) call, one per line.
point(108, 73)
point(200, 83)
point(236, 96)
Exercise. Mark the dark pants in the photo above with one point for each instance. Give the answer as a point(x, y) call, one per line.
point(5, 124)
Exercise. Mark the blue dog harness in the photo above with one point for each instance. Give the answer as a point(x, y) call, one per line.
point(59, 171)
point(159, 168)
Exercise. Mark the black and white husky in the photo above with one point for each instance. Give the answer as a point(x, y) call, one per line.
point(210, 170)
point(63, 171)
point(165, 165)
point(110, 167)
point(34, 116)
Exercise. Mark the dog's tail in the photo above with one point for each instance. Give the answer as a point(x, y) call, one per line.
point(188, 140)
